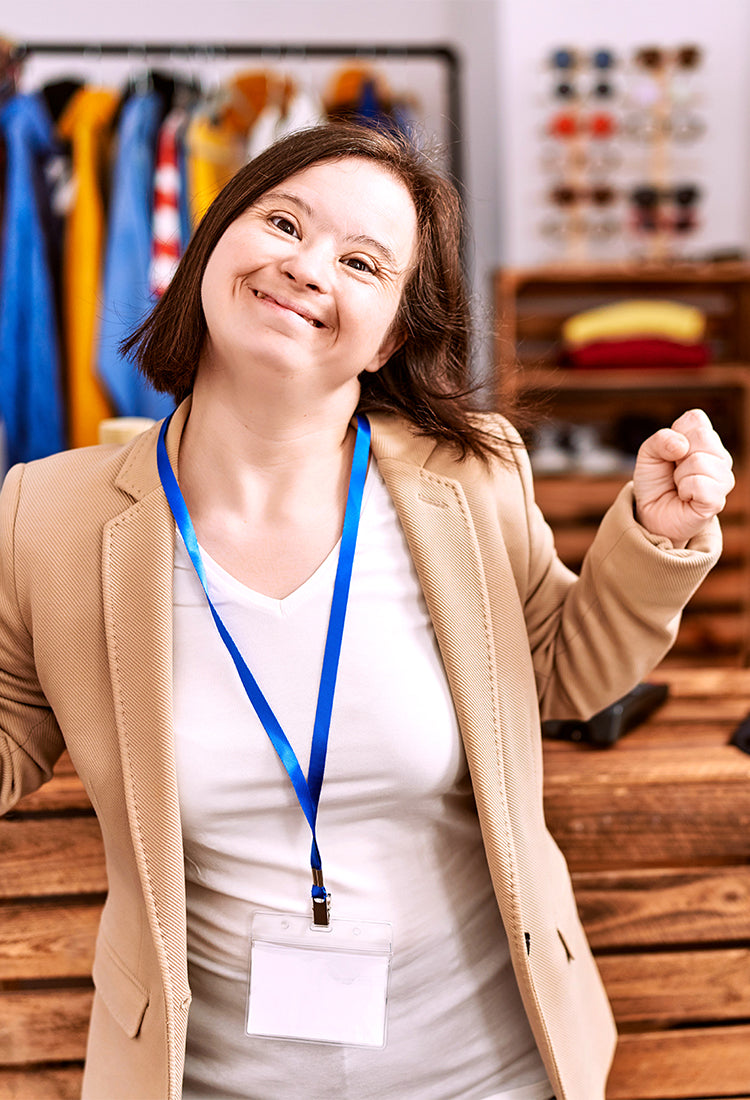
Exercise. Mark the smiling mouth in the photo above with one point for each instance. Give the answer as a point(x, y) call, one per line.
point(313, 321)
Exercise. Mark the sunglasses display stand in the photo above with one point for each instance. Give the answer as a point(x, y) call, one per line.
point(579, 153)
point(658, 240)
point(618, 137)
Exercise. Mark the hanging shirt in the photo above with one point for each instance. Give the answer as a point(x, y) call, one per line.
point(186, 222)
point(127, 298)
point(303, 110)
point(215, 153)
point(397, 827)
point(167, 243)
point(264, 130)
point(360, 94)
point(368, 107)
point(286, 110)
point(85, 124)
point(31, 400)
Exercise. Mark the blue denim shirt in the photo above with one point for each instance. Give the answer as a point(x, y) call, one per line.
point(127, 298)
point(31, 396)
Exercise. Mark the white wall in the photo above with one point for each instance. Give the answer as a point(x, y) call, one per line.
point(528, 30)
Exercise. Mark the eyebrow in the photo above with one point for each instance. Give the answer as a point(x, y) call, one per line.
point(367, 242)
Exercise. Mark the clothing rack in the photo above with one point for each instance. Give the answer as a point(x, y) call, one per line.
point(444, 55)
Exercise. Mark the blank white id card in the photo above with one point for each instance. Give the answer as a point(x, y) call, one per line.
point(318, 985)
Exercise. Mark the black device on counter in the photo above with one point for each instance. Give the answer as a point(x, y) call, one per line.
point(741, 736)
point(610, 724)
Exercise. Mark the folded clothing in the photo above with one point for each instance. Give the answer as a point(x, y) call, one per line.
point(635, 318)
point(647, 351)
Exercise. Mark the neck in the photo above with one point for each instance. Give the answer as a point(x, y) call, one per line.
point(255, 455)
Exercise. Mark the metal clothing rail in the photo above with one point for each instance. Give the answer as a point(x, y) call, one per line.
point(213, 51)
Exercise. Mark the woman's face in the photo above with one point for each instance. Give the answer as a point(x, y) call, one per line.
point(308, 280)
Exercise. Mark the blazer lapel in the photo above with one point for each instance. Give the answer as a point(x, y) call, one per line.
point(137, 565)
point(443, 542)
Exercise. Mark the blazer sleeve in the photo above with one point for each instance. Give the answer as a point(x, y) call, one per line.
point(30, 739)
point(594, 637)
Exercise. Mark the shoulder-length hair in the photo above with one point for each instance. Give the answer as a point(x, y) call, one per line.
point(428, 379)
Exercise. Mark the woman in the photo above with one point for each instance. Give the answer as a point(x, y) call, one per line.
point(323, 283)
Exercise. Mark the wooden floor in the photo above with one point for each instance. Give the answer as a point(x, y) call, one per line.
point(656, 831)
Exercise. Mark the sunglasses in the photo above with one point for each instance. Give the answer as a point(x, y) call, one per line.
point(656, 209)
point(565, 58)
point(598, 124)
point(655, 58)
point(566, 90)
point(683, 194)
point(596, 158)
point(595, 229)
point(680, 125)
point(565, 195)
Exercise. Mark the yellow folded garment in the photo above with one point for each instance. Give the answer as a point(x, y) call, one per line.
point(634, 318)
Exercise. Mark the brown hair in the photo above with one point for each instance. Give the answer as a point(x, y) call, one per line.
point(427, 380)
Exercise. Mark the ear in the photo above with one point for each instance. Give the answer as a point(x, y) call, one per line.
point(394, 340)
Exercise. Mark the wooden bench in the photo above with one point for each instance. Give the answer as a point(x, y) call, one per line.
point(656, 831)
point(657, 834)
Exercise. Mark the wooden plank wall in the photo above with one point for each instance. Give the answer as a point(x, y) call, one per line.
point(52, 887)
point(657, 834)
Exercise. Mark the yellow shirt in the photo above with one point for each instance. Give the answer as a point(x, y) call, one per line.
point(84, 124)
point(214, 153)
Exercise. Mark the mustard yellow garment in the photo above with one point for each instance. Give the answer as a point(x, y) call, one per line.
point(214, 154)
point(633, 318)
point(84, 124)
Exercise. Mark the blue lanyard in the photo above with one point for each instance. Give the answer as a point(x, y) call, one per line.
point(307, 790)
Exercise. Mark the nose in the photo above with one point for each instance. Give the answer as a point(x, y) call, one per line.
point(308, 266)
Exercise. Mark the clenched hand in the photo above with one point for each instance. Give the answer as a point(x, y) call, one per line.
point(682, 477)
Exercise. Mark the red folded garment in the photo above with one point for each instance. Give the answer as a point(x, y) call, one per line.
point(646, 351)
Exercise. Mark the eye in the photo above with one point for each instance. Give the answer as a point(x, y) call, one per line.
point(284, 225)
point(358, 264)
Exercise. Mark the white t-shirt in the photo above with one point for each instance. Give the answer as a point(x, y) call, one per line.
point(397, 829)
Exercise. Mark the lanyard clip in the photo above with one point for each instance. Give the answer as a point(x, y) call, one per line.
point(321, 901)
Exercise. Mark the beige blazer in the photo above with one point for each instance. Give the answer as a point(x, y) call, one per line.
point(86, 558)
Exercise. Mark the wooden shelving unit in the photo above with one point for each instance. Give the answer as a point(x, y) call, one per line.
point(531, 306)
point(532, 303)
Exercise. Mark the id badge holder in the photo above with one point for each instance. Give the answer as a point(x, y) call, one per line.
point(318, 985)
